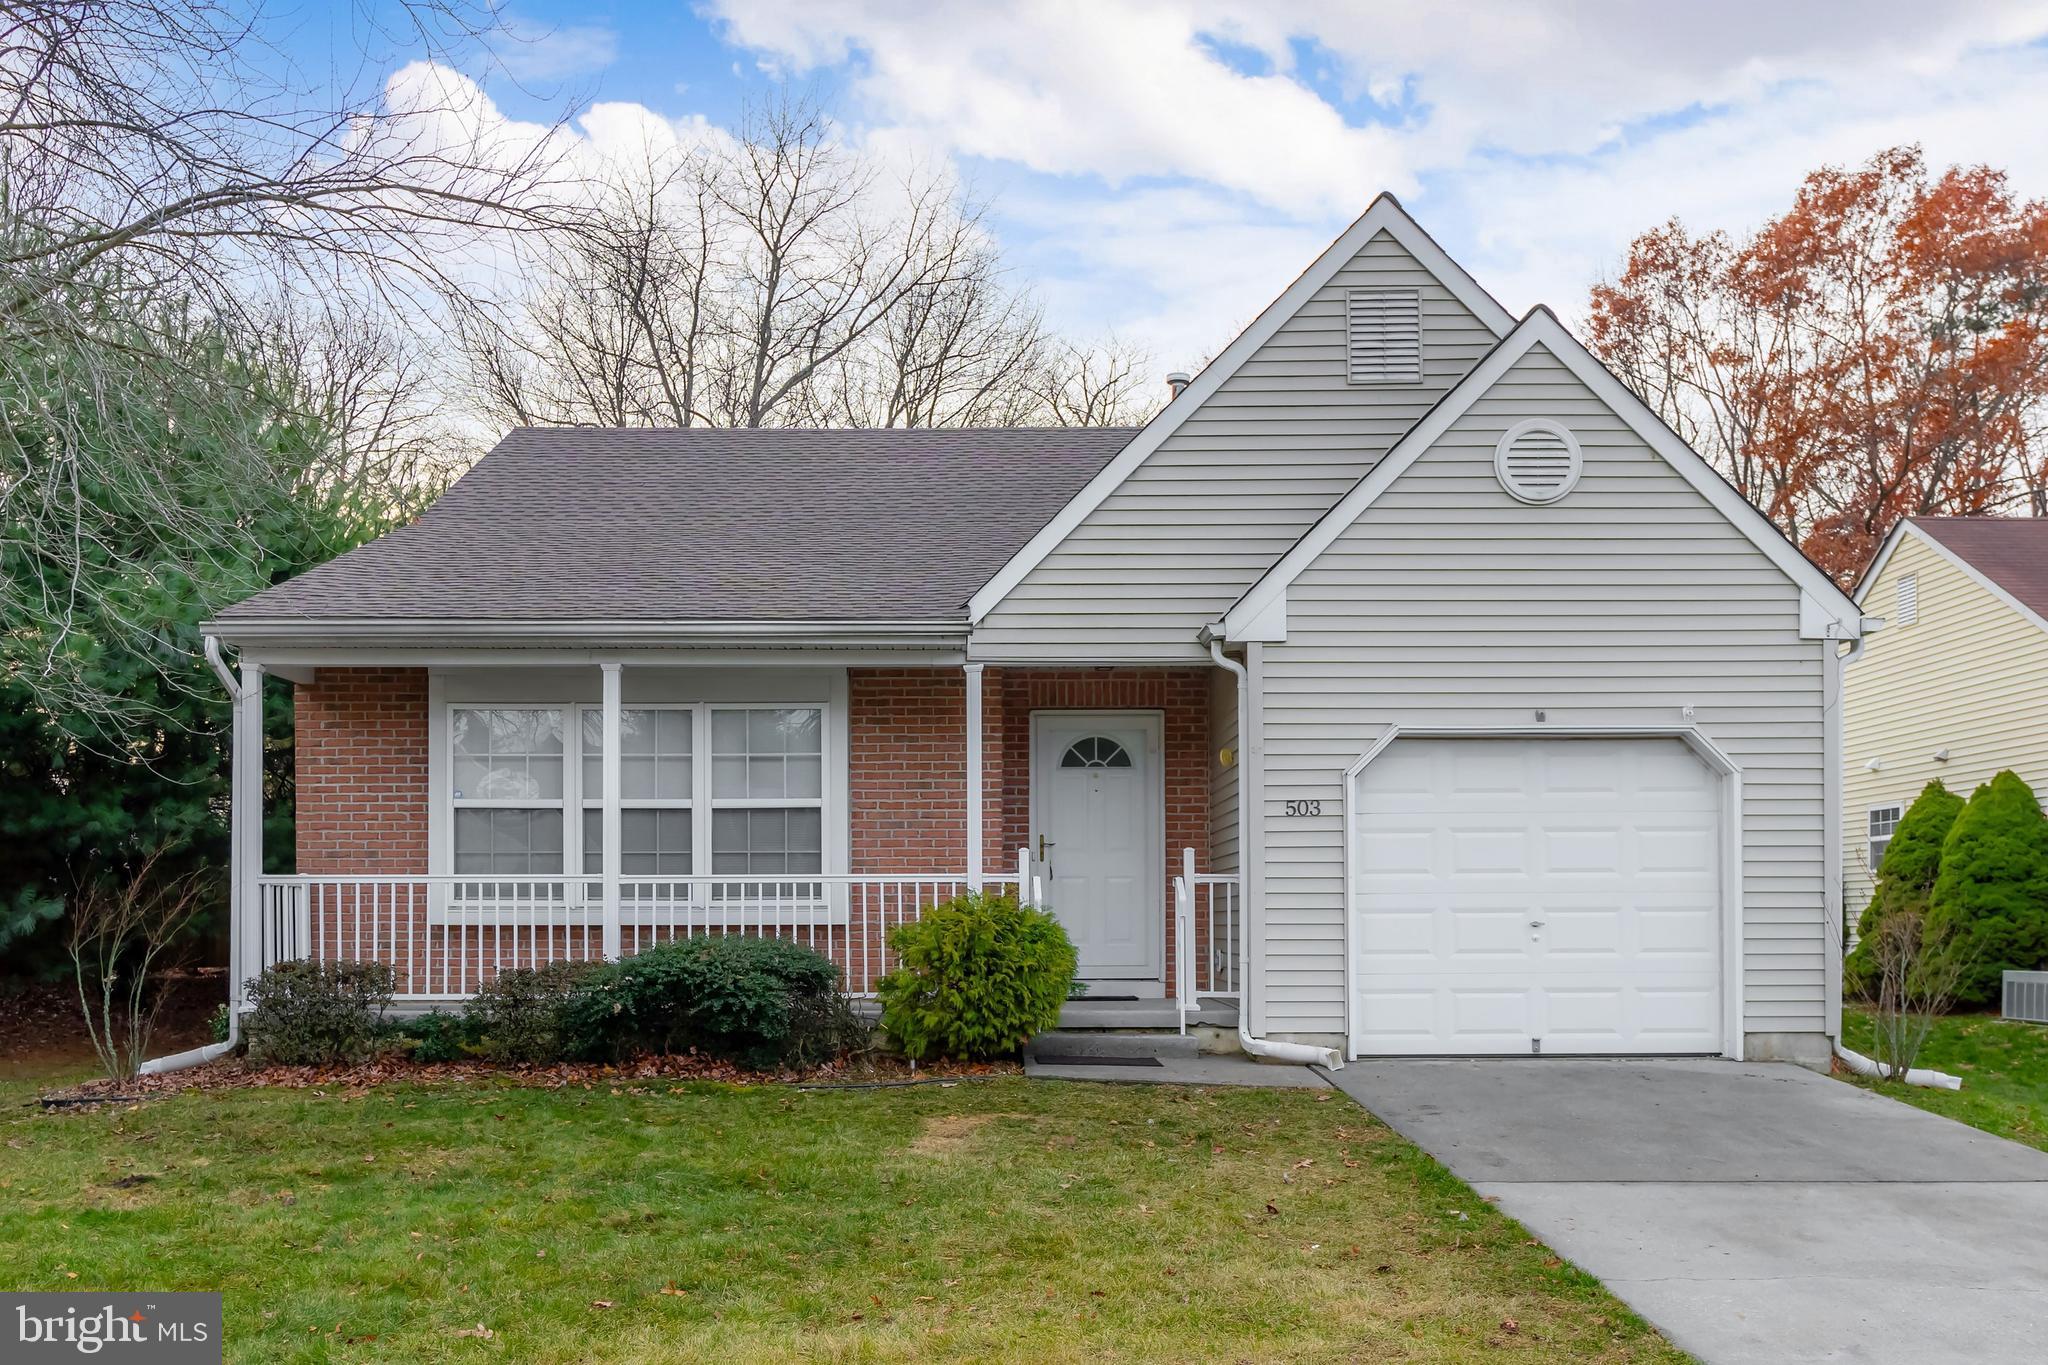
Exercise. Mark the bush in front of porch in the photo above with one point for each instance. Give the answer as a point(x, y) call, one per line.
point(979, 976)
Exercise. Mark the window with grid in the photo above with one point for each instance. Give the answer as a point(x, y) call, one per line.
point(506, 779)
point(1884, 820)
point(767, 790)
point(657, 788)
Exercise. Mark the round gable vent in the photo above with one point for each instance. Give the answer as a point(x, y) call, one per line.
point(1538, 460)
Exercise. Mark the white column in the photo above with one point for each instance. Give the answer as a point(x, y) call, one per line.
point(613, 853)
point(974, 845)
point(245, 835)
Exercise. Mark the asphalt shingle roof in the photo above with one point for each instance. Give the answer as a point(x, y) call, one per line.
point(2010, 551)
point(577, 523)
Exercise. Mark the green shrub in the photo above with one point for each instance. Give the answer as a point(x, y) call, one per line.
point(317, 1013)
point(1989, 911)
point(734, 996)
point(436, 1037)
point(1905, 879)
point(521, 1014)
point(978, 976)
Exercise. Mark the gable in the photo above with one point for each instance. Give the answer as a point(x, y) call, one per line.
point(1540, 370)
point(1173, 538)
point(1912, 549)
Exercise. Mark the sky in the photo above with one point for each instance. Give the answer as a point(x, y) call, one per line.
point(1161, 169)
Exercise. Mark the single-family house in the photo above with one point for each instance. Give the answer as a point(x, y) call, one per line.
point(1955, 686)
point(1404, 683)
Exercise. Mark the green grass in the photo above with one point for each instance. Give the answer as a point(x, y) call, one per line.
point(2004, 1066)
point(1003, 1219)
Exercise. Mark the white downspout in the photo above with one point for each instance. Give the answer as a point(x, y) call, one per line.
point(199, 1056)
point(1257, 1047)
point(1864, 1066)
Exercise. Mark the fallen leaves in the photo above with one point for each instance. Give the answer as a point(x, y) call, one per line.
point(480, 1332)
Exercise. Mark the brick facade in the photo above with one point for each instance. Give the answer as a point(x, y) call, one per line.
point(360, 752)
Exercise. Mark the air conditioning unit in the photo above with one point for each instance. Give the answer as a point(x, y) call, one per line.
point(2026, 997)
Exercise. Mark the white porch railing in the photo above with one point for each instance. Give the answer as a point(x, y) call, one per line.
point(1206, 927)
point(445, 936)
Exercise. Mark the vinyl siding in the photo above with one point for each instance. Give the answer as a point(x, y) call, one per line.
point(1223, 786)
point(1449, 603)
point(1238, 483)
point(1970, 675)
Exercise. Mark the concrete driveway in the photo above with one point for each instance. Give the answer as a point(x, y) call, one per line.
point(1752, 1212)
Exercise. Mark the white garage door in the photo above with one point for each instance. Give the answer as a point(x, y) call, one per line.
point(1522, 895)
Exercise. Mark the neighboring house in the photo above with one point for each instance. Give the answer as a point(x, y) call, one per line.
point(1954, 686)
point(1405, 679)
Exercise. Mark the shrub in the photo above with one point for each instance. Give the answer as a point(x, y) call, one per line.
point(1905, 879)
point(734, 996)
point(1990, 904)
point(317, 1013)
point(979, 975)
point(521, 1014)
point(436, 1037)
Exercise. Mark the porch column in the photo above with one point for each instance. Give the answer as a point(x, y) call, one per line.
point(612, 838)
point(245, 836)
point(974, 856)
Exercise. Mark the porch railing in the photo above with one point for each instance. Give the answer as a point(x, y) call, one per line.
point(446, 936)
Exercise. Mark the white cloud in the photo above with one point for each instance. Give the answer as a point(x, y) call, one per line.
point(537, 52)
point(1170, 194)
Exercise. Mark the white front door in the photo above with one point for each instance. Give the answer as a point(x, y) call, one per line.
point(1099, 820)
point(1517, 895)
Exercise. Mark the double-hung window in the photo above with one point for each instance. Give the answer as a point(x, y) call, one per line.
point(1884, 821)
point(767, 790)
point(657, 791)
point(506, 779)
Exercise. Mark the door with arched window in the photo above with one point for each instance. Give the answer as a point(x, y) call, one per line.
point(1098, 826)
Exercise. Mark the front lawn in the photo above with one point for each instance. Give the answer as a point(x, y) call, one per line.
point(998, 1219)
point(2004, 1066)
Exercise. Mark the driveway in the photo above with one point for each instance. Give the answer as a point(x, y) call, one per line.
point(1752, 1212)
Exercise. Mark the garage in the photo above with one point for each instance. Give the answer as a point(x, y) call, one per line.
point(1521, 894)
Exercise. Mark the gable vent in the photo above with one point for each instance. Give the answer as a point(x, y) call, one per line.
point(1909, 599)
point(1538, 461)
point(1384, 336)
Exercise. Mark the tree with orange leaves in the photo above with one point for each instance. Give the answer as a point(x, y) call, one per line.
point(1878, 351)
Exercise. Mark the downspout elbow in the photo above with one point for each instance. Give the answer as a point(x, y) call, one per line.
point(1304, 1053)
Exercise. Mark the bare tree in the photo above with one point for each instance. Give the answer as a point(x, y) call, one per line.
point(1095, 386)
point(1915, 984)
point(123, 941)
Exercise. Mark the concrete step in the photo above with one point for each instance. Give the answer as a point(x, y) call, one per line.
point(1098, 1043)
point(1120, 1014)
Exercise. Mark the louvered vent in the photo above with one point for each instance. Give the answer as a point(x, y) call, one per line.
point(1384, 327)
point(1538, 461)
point(1909, 600)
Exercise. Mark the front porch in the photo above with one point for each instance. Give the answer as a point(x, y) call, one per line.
point(456, 818)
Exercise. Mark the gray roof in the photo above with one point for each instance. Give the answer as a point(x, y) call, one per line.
point(654, 525)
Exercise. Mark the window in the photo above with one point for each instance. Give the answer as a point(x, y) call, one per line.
point(657, 786)
point(1909, 600)
point(506, 783)
point(1095, 751)
point(767, 790)
point(1383, 335)
point(1883, 821)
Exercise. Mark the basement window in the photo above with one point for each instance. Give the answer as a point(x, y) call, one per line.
point(1383, 332)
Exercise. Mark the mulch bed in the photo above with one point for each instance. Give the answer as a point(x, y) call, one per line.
point(619, 1078)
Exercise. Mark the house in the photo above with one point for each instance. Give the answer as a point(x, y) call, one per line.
point(1404, 684)
point(1956, 684)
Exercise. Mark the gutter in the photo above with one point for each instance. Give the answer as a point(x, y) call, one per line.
point(1256, 1047)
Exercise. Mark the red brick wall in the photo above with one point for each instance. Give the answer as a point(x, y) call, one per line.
point(907, 761)
point(360, 750)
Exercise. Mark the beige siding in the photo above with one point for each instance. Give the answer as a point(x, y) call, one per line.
point(1969, 676)
point(1450, 603)
point(1238, 483)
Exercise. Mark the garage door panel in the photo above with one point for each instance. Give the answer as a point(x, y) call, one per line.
point(1517, 890)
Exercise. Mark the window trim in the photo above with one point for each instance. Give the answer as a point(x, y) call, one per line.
point(585, 906)
point(1870, 839)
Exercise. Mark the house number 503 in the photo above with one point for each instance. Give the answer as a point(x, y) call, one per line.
point(1304, 808)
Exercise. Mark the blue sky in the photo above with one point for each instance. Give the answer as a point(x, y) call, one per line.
point(1161, 168)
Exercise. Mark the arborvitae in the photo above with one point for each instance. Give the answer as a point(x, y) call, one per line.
point(1905, 879)
point(1990, 903)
